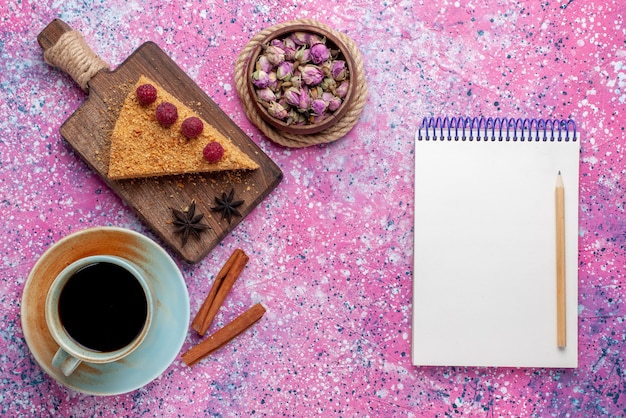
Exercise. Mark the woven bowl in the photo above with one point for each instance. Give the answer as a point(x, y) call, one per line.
point(308, 128)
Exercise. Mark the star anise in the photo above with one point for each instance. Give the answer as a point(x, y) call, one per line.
point(227, 206)
point(187, 222)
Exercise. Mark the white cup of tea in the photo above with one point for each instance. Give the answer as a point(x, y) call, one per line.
point(98, 310)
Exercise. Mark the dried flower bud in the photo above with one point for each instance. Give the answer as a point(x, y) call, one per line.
point(260, 79)
point(334, 103)
point(277, 110)
point(277, 42)
point(288, 42)
point(273, 84)
point(339, 70)
point(296, 80)
point(300, 38)
point(326, 67)
point(305, 100)
point(319, 53)
point(275, 55)
point(292, 96)
point(263, 64)
point(342, 89)
point(290, 53)
point(295, 118)
point(284, 71)
point(316, 92)
point(266, 94)
point(318, 106)
point(303, 55)
point(328, 84)
point(313, 39)
point(311, 74)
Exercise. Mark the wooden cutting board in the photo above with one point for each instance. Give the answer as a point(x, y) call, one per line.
point(88, 132)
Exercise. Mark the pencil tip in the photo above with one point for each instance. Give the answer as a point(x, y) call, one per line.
point(559, 172)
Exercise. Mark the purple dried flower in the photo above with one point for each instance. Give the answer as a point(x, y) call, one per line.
point(288, 42)
point(263, 64)
point(313, 39)
point(305, 100)
point(319, 53)
point(318, 106)
point(275, 54)
point(284, 70)
point(273, 84)
point(278, 111)
point(303, 55)
point(300, 38)
point(266, 94)
point(333, 102)
point(311, 74)
point(290, 53)
point(292, 96)
point(342, 89)
point(339, 70)
point(260, 79)
point(276, 42)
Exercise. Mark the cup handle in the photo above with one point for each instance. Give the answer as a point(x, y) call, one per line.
point(65, 362)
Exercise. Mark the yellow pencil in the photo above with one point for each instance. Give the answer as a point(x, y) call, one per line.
point(559, 194)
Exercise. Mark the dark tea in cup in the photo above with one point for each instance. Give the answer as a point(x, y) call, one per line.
point(103, 307)
point(99, 309)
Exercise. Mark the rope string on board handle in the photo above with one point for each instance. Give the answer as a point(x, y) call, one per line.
point(72, 55)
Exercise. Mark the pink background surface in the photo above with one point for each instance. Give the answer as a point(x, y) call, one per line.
point(331, 247)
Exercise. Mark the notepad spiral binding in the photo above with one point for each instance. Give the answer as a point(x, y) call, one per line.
point(496, 129)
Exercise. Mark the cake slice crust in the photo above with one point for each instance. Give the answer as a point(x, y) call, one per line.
point(141, 147)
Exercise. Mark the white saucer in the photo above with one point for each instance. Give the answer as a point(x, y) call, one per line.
point(165, 337)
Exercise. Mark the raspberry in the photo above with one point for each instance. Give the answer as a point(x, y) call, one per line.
point(166, 114)
point(213, 152)
point(191, 127)
point(146, 94)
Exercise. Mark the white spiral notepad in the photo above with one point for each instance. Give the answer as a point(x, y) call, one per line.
point(484, 277)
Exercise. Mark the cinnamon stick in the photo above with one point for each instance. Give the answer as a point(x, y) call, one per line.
point(224, 335)
point(206, 305)
point(221, 286)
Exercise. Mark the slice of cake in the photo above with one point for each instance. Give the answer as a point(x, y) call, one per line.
point(156, 135)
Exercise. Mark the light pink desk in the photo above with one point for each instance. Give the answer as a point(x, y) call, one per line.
point(331, 248)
